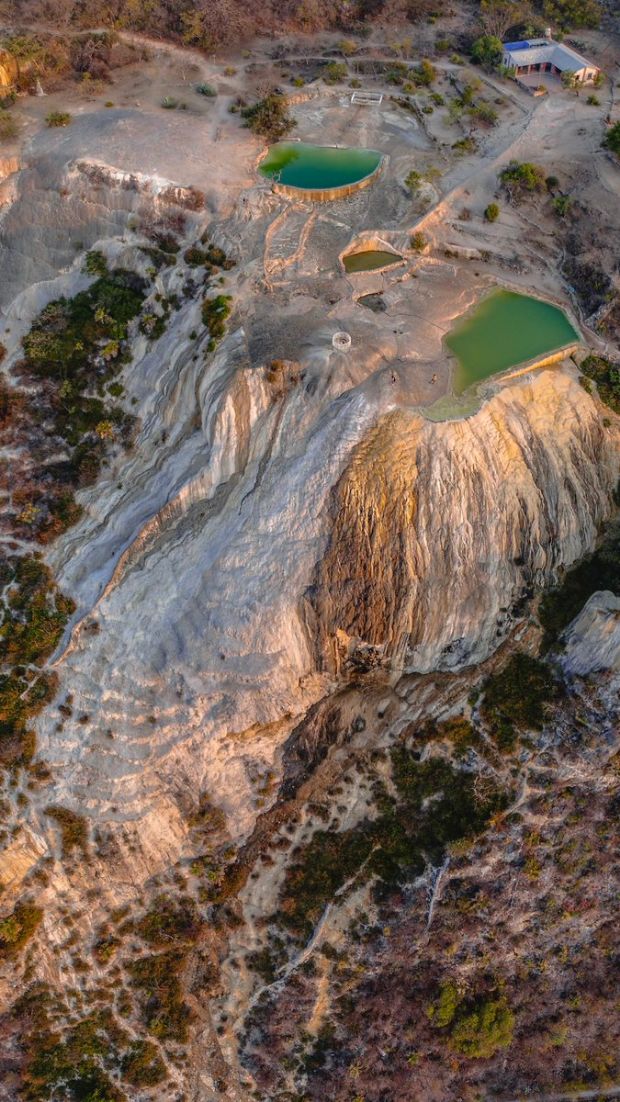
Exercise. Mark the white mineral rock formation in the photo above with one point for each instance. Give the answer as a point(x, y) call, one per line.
point(593, 639)
point(197, 560)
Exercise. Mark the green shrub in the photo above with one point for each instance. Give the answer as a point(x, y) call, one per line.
point(71, 342)
point(483, 1029)
point(562, 205)
point(75, 1065)
point(142, 1065)
point(206, 90)
point(517, 698)
point(57, 119)
point(169, 922)
point(488, 51)
point(73, 829)
point(32, 620)
point(418, 242)
point(215, 312)
point(482, 113)
point(335, 72)
point(478, 1027)
point(169, 103)
point(593, 101)
point(606, 375)
point(156, 979)
point(522, 179)
point(612, 139)
point(269, 117)
point(442, 1012)
point(17, 929)
point(423, 74)
point(413, 181)
point(460, 732)
point(491, 213)
point(95, 263)
point(195, 257)
point(465, 145)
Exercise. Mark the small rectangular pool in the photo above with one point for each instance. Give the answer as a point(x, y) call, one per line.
point(506, 329)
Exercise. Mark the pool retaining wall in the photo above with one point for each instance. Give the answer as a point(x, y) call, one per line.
point(544, 361)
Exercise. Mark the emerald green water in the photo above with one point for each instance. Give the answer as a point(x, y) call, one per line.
point(505, 330)
point(369, 260)
point(317, 166)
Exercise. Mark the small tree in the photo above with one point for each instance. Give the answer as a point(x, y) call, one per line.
point(562, 205)
point(418, 242)
point(569, 81)
point(413, 181)
point(522, 179)
point(487, 51)
point(335, 72)
point(491, 213)
point(269, 117)
point(612, 139)
point(423, 74)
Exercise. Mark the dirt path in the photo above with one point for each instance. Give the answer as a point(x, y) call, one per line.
point(571, 1096)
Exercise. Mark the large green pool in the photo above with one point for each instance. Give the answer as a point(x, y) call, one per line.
point(317, 167)
point(505, 330)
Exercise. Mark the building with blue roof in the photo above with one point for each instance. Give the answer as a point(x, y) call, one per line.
point(544, 55)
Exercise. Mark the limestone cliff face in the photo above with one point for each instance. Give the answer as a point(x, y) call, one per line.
point(440, 529)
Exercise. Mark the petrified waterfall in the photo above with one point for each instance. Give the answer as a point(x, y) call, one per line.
point(439, 529)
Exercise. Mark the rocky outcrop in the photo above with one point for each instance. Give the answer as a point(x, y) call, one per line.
point(440, 530)
point(592, 642)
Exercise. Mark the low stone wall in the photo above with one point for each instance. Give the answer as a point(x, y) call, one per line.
point(545, 361)
point(325, 195)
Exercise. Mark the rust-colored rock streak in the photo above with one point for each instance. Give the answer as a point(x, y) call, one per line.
point(439, 529)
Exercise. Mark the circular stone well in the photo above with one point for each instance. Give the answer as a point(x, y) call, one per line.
point(341, 341)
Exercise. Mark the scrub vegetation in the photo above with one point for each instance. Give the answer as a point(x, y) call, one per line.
point(598, 571)
point(32, 619)
point(81, 1061)
point(517, 699)
point(606, 375)
point(17, 928)
point(75, 348)
point(478, 1026)
point(435, 805)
